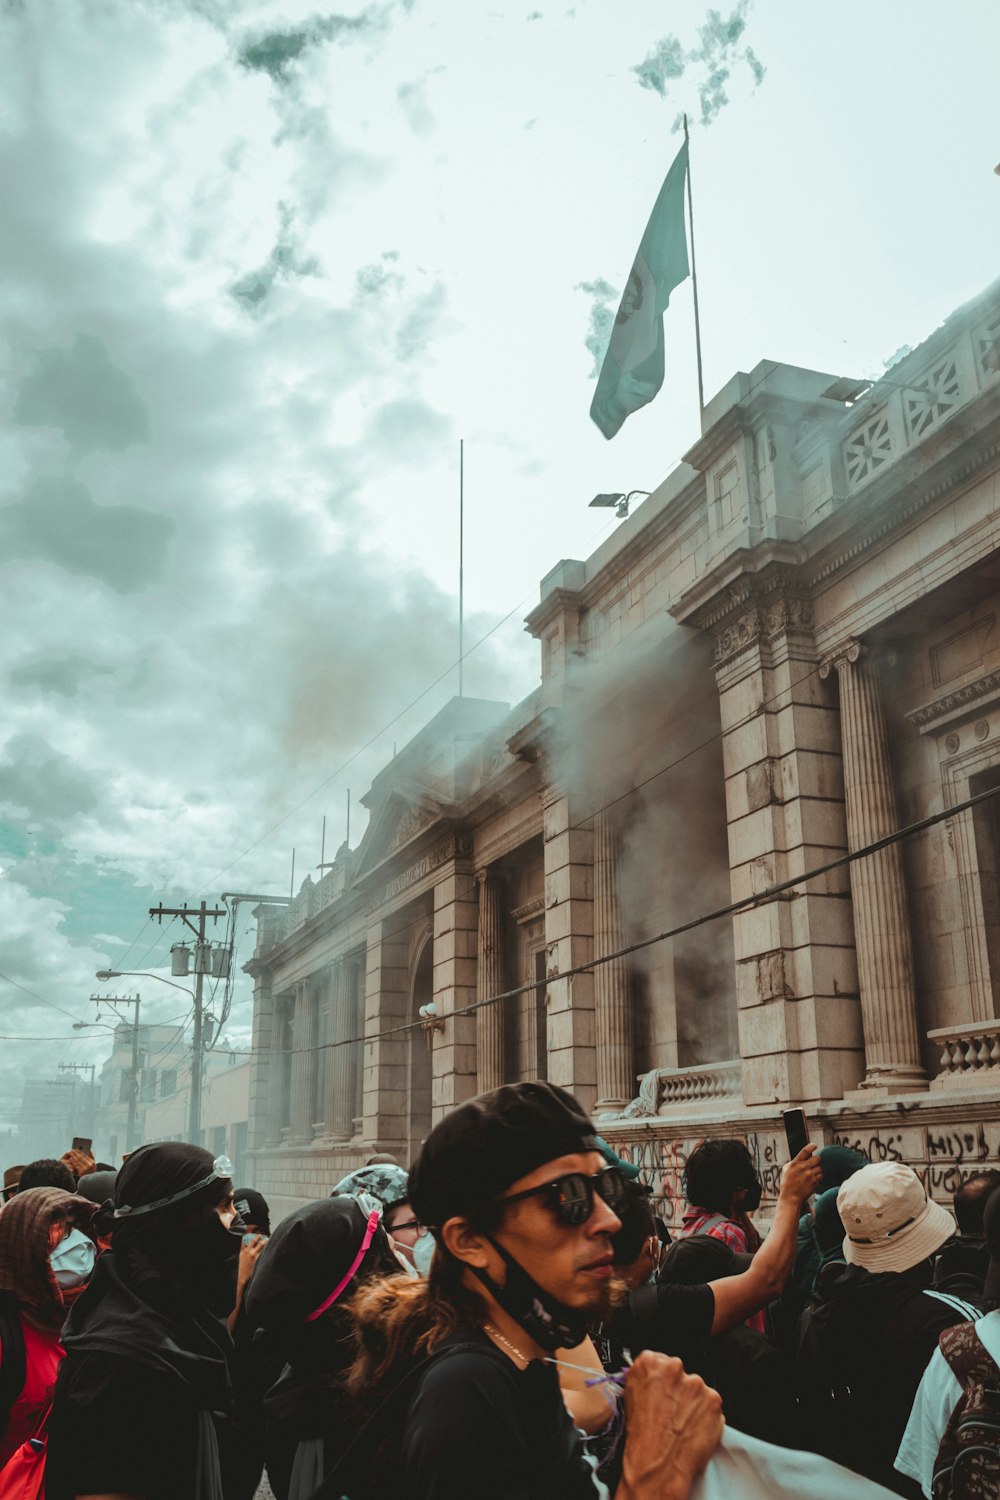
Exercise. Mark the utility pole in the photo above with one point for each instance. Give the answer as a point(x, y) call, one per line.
point(133, 1093)
point(196, 919)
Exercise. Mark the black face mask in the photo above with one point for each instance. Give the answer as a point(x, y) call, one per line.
point(752, 1196)
point(549, 1322)
point(203, 1255)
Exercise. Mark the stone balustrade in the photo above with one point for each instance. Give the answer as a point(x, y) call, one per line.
point(970, 1055)
point(702, 1084)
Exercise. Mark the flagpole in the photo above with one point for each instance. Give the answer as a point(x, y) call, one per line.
point(694, 276)
point(461, 558)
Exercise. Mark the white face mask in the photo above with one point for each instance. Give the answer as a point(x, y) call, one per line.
point(423, 1252)
point(72, 1260)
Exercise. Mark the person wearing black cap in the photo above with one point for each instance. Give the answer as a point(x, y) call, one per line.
point(145, 1379)
point(458, 1374)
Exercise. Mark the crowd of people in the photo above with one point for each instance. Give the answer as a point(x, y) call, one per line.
point(508, 1319)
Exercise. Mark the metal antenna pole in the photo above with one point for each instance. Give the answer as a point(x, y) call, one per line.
point(347, 836)
point(694, 276)
point(461, 562)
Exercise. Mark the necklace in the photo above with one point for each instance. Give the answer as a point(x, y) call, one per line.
point(517, 1353)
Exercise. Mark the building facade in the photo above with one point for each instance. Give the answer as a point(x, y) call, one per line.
point(789, 653)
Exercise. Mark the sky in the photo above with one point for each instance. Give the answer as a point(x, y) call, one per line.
point(263, 266)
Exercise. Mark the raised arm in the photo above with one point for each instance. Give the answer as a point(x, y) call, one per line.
point(738, 1297)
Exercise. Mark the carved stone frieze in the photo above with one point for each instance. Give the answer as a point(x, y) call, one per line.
point(950, 704)
point(772, 617)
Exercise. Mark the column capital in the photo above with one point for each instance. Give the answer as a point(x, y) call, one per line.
point(845, 655)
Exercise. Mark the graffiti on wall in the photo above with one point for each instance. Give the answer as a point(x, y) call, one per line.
point(943, 1158)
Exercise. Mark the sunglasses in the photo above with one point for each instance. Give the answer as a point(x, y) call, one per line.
point(571, 1197)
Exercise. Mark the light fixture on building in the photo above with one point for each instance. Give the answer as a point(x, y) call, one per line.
point(620, 502)
point(430, 1021)
point(846, 391)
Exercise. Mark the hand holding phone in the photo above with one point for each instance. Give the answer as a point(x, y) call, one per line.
point(796, 1131)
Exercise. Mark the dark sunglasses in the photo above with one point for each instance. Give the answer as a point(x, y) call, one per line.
point(571, 1197)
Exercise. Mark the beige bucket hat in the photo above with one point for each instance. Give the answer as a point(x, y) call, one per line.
point(890, 1224)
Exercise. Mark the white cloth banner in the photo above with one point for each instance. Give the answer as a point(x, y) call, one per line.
point(743, 1468)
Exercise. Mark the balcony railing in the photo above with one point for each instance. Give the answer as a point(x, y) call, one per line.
point(702, 1084)
point(970, 1055)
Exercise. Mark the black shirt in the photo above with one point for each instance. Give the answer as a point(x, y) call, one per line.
point(668, 1318)
point(478, 1426)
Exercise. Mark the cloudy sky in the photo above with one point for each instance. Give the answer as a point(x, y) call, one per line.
point(263, 265)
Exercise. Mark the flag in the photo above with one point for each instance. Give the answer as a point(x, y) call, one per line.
point(632, 371)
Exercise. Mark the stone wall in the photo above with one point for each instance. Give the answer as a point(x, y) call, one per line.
point(944, 1142)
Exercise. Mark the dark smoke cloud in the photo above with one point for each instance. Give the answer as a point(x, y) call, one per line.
point(640, 737)
point(720, 48)
point(83, 393)
point(275, 51)
point(59, 522)
point(286, 261)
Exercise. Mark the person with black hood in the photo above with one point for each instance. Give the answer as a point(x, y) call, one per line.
point(145, 1383)
point(297, 1313)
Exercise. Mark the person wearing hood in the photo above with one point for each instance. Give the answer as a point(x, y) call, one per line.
point(297, 1316)
point(46, 1258)
point(144, 1389)
point(387, 1183)
point(864, 1347)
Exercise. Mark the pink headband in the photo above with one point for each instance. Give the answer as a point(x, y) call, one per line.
point(373, 1223)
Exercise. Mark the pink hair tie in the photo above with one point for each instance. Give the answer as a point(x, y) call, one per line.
point(373, 1223)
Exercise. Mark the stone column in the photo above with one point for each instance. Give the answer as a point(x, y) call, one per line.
point(340, 1073)
point(881, 924)
point(490, 981)
point(616, 1084)
point(385, 1057)
point(569, 935)
point(453, 1054)
point(302, 1063)
point(274, 1073)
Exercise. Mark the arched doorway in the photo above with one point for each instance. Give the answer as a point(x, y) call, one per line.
point(420, 1068)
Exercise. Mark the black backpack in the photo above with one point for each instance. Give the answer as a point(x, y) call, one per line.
point(968, 1462)
point(13, 1366)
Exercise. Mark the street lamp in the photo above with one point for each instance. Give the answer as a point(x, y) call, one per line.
point(619, 501)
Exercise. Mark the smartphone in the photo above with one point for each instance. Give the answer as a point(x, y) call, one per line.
point(796, 1130)
point(83, 1143)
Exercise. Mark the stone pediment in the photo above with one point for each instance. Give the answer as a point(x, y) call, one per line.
point(401, 819)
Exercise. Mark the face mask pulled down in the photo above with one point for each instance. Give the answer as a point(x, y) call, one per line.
point(543, 1317)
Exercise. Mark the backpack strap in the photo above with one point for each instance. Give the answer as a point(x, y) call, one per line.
point(969, 1314)
point(13, 1363)
point(966, 1354)
point(712, 1222)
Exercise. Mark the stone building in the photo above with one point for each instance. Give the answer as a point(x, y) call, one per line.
point(787, 653)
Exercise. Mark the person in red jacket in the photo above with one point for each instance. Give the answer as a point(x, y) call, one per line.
point(45, 1262)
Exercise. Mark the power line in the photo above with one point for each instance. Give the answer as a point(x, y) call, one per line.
point(747, 903)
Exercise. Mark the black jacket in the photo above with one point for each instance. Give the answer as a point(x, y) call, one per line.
point(862, 1352)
